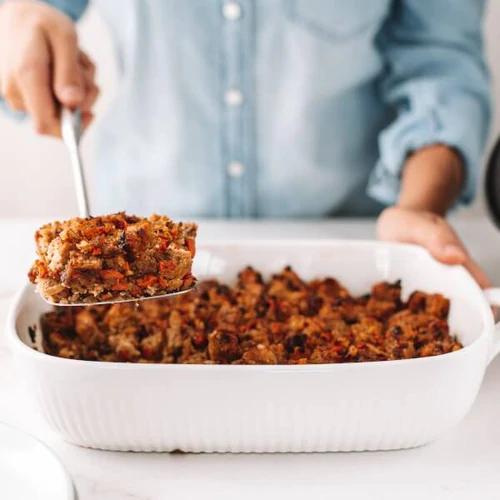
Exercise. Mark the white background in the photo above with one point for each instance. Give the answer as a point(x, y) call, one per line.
point(34, 175)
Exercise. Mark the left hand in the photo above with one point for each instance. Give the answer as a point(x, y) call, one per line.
point(432, 232)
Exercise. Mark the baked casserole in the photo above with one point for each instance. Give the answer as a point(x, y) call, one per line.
point(112, 257)
point(284, 320)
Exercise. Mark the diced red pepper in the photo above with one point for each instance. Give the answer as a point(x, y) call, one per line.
point(42, 269)
point(199, 340)
point(147, 281)
point(164, 243)
point(163, 282)
point(188, 280)
point(112, 274)
point(120, 286)
point(167, 266)
point(191, 246)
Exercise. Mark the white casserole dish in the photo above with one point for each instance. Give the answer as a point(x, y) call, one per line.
point(336, 407)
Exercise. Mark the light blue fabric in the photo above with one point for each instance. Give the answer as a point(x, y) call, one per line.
point(336, 93)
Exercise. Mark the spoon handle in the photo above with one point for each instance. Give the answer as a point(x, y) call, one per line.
point(71, 131)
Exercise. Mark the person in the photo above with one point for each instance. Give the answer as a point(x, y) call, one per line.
point(256, 108)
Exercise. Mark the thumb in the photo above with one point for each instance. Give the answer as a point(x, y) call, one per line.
point(447, 251)
point(435, 234)
point(422, 228)
point(431, 232)
point(455, 253)
point(67, 76)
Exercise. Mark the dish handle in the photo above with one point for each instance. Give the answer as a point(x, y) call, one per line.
point(493, 297)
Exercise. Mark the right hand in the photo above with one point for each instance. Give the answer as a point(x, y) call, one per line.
point(41, 65)
point(432, 232)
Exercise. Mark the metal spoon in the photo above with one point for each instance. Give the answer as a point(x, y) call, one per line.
point(71, 133)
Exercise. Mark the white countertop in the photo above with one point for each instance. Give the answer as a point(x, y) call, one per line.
point(463, 464)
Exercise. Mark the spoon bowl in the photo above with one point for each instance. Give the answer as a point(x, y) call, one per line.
point(122, 301)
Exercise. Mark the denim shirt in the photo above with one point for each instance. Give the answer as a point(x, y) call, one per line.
point(249, 108)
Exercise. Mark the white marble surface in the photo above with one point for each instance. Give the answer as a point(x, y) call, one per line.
point(463, 464)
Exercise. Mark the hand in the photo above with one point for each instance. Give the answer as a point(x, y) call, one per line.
point(433, 233)
point(41, 66)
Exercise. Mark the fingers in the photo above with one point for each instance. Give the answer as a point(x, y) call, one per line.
point(12, 96)
point(87, 118)
point(87, 64)
point(41, 66)
point(67, 72)
point(446, 247)
point(433, 233)
point(421, 228)
point(34, 88)
point(29, 88)
point(91, 89)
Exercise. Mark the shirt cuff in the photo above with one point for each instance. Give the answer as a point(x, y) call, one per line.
point(4, 108)
point(72, 8)
point(409, 134)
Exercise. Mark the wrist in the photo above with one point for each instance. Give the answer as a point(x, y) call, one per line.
point(432, 179)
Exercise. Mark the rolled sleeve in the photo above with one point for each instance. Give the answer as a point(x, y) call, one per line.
point(437, 82)
point(72, 8)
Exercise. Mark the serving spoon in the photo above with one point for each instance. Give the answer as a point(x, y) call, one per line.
point(71, 129)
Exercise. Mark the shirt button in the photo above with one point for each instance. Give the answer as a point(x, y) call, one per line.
point(235, 169)
point(231, 11)
point(233, 97)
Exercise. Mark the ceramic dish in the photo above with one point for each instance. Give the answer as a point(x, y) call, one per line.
point(334, 407)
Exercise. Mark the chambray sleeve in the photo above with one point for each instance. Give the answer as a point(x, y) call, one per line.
point(436, 81)
point(72, 8)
